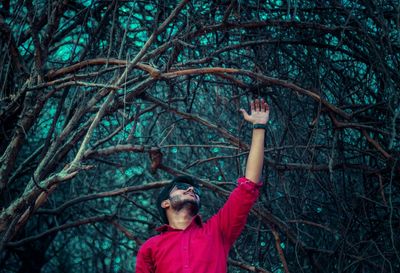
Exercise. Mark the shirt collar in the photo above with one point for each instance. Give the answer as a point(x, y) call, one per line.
point(195, 221)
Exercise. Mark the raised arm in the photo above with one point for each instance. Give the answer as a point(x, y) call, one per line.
point(259, 115)
point(232, 217)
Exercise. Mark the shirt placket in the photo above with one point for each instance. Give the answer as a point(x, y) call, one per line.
point(185, 251)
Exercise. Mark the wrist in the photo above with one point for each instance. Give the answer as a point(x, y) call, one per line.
point(259, 126)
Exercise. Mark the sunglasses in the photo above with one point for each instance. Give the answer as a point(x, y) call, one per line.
point(185, 186)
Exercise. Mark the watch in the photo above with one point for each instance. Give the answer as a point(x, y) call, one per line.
point(260, 126)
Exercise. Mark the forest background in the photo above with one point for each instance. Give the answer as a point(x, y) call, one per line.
point(102, 102)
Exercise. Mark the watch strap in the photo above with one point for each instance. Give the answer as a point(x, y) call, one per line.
point(259, 126)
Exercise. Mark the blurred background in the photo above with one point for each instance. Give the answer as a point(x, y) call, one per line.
point(103, 102)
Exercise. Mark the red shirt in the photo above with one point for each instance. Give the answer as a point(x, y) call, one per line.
point(201, 247)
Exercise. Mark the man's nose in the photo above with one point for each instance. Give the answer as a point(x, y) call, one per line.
point(191, 188)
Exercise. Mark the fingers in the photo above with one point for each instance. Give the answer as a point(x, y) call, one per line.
point(255, 105)
point(244, 112)
point(259, 105)
point(246, 116)
point(265, 106)
point(252, 106)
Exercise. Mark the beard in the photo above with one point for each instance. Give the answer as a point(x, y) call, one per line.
point(179, 204)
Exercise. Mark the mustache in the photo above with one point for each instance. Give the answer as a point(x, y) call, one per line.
point(189, 193)
point(191, 205)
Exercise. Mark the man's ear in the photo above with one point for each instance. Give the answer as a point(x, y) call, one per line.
point(165, 204)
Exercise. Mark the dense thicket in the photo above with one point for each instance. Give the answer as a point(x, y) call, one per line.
point(101, 102)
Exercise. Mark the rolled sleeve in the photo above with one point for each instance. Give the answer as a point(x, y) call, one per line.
point(249, 186)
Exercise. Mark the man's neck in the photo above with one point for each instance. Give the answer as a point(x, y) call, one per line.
point(180, 219)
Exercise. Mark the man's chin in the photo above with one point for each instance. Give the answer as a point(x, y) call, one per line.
point(190, 204)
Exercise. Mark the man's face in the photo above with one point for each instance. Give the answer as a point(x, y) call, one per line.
point(184, 195)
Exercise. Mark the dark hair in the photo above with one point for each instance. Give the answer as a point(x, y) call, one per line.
point(164, 194)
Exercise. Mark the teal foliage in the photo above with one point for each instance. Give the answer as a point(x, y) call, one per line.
point(329, 72)
point(137, 170)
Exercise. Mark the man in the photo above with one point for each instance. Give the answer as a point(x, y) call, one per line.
point(186, 244)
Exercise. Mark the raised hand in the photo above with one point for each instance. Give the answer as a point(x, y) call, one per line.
point(259, 112)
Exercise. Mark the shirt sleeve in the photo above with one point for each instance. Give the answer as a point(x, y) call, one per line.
point(232, 217)
point(144, 261)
